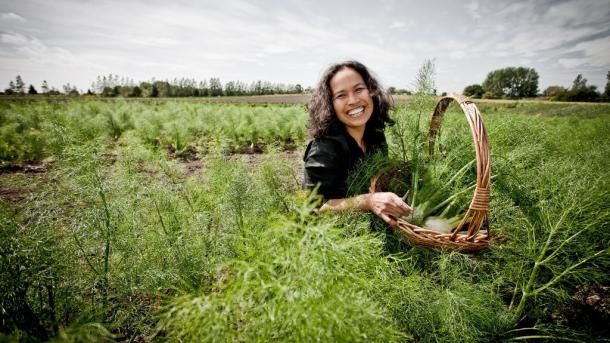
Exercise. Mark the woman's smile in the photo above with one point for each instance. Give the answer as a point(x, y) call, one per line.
point(356, 112)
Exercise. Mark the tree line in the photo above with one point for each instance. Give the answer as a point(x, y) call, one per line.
point(506, 83)
point(521, 82)
point(114, 86)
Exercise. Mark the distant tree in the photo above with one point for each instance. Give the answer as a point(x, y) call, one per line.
point(580, 91)
point(89, 92)
point(554, 91)
point(444, 94)
point(511, 82)
point(424, 80)
point(579, 82)
point(215, 87)
point(19, 85)
point(474, 91)
point(398, 91)
point(298, 89)
point(136, 92)
point(203, 88)
point(45, 87)
point(53, 91)
point(607, 89)
point(230, 88)
point(124, 91)
point(146, 89)
point(67, 88)
point(73, 92)
point(11, 88)
point(267, 88)
point(163, 89)
point(241, 88)
point(32, 90)
point(108, 92)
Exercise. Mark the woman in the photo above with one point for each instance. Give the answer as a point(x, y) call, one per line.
point(347, 115)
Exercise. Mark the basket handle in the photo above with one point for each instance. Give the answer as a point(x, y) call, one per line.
point(477, 213)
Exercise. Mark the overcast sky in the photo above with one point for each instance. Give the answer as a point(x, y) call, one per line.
point(293, 41)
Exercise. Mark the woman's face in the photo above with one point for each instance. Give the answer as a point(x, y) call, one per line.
point(351, 98)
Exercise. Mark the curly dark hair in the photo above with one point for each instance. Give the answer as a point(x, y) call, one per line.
point(322, 117)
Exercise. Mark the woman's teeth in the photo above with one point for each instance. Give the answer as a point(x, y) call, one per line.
point(356, 112)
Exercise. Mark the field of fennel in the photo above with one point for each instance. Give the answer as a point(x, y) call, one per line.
point(127, 221)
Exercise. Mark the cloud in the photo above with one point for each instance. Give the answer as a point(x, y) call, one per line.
point(573, 62)
point(522, 29)
point(165, 66)
point(31, 48)
point(458, 54)
point(10, 16)
point(398, 25)
point(473, 8)
point(157, 41)
point(596, 54)
point(13, 38)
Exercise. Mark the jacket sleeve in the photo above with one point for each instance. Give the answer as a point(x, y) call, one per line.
point(324, 166)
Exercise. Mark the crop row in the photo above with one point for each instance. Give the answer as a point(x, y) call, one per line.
point(31, 132)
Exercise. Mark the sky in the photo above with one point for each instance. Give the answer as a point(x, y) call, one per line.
point(293, 41)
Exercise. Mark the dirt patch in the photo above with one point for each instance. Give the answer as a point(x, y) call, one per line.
point(193, 167)
point(23, 168)
point(18, 181)
point(293, 155)
point(186, 155)
point(254, 159)
point(14, 195)
point(589, 309)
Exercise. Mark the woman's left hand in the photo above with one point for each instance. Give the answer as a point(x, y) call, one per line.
point(387, 206)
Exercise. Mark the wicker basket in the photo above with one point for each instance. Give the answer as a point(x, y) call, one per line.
point(475, 218)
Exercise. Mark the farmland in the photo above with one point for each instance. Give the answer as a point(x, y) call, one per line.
point(185, 221)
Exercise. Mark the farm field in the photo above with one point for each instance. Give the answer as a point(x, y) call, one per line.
point(184, 221)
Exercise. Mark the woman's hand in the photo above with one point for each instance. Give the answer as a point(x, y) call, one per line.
point(387, 206)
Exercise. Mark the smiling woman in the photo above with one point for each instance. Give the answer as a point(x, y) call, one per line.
point(348, 113)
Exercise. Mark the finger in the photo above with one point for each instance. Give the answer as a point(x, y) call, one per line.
point(398, 210)
point(391, 209)
point(402, 204)
point(403, 208)
point(387, 219)
point(399, 202)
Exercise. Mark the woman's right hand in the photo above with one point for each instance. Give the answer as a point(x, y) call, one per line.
point(387, 206)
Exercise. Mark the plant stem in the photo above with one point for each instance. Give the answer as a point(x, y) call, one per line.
point(446, 201)
point(161, 220)
point(528, 290)
point(416, 162)
point(107, 238)
point(568, 270)
point(80, 247)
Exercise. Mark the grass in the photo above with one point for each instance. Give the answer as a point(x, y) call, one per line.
point(119, 240)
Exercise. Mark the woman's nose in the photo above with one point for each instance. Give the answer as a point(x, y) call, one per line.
point(351, 98)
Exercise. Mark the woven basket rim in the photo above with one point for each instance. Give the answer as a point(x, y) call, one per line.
point(477, 214)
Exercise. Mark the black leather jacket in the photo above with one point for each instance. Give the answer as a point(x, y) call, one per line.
point(330, 159)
